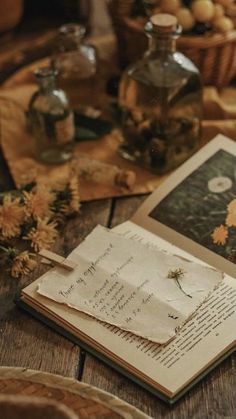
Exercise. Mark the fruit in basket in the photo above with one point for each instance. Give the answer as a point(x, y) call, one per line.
point(223, 24)
point(198, 16)
point(185, 18)
point(203, 10)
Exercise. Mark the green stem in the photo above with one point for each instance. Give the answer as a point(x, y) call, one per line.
point(4, 249)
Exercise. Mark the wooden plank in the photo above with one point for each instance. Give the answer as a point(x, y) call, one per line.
point(26, 342)
point(91, 214)
point(124, 208)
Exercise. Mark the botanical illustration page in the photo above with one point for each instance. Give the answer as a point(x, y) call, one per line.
point(195, 208)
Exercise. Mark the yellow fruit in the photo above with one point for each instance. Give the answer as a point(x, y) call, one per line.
point(203, 10)
point(185, 18)
point(219, 11)
point(223, 24)
point(170, 6)
point(225, 3)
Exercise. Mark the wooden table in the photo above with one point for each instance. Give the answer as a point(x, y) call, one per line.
point(27, 343)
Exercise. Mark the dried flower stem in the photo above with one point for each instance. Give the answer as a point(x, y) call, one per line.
point(176, 274)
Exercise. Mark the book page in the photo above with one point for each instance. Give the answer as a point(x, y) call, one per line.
point(169, 368)
point(195, 208)
point(132, 287)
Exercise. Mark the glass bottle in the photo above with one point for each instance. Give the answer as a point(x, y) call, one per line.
point(51, 120)
point(161, 101)
point(76, 64)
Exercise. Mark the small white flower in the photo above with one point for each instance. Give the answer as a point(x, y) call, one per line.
point(219, 184)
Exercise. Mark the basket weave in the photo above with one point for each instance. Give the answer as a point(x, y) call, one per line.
point(85, 401)
point(28, 407)
point(214, 55)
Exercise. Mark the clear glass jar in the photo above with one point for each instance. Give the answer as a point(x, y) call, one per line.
point(51, 120)
point(76, 64)
point(161, 101)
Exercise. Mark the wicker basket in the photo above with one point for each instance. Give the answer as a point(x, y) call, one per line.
point(214, 55)
point(28, 407)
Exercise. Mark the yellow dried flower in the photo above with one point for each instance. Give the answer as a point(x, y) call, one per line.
point(37, 204)
point(11, 216)
point(23, 264)
point(74, 199)
point(43, 235)
point(231, 217)
point(220, 234)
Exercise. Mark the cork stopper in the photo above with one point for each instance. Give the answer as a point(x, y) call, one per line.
point(164, 23)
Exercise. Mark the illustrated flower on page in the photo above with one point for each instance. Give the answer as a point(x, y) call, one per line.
point(231, 217)
point(11, 216)
point(43, 235)
point(219, 184)
point(37, 202)
point(220, 235)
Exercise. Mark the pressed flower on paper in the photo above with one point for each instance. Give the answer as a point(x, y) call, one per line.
point(177, 274)
point(43, 235)
point(12, 216)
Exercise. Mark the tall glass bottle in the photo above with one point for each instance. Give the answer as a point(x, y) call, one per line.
point(51, 120)
point(76, 64)
point(161, 101)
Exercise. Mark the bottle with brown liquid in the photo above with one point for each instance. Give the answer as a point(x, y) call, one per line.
point(161, 101)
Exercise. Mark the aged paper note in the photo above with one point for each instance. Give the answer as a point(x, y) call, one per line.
point(128, 285)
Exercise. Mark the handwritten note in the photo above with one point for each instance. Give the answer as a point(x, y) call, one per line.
point(145, 291)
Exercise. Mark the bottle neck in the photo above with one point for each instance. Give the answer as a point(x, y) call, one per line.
point(162, 44)
point(71, 36)
point(47, 84)
point(69, 42)
point(46, 78)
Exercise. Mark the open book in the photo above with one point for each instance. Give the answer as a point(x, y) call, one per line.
point(193, 215)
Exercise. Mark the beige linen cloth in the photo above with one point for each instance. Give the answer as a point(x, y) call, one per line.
point(98, 178)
